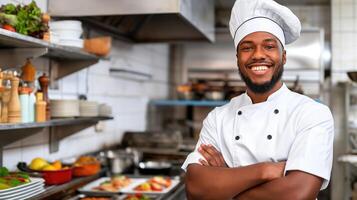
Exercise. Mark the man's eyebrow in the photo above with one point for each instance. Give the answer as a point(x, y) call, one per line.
point(270, 40)
point(246, 42)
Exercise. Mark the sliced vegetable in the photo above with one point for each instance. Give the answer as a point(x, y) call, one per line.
point(9, 28)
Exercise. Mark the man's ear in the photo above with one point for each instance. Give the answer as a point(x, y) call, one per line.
point(284, 57)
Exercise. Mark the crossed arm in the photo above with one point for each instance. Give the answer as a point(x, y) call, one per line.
point(214, 180)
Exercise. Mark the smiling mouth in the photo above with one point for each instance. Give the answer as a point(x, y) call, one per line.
point(259, 68)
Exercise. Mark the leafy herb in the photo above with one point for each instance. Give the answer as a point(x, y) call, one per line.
point(9, 9)
point(27, 19)
point(4, 171)
point(14, 182)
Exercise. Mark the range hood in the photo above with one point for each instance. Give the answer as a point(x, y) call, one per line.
point(143, 20)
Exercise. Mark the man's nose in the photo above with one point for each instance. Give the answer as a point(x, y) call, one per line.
point(259, 54)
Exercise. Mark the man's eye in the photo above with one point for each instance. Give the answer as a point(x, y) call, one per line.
point(270, 47)
point(246, 48)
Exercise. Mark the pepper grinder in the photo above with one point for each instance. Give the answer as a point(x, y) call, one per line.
point(44, 82)
point(14, 108)
point(5, 97)
point(1, 91)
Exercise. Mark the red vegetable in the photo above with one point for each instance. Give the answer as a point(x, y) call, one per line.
point(9, 28)
point(156, 187)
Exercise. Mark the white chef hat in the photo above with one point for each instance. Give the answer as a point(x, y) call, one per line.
point(249, 16)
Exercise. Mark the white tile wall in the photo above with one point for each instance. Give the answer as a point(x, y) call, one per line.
point(128, 98)
point(344, 40)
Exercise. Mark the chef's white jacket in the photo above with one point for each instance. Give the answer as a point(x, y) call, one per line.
point(288, 126)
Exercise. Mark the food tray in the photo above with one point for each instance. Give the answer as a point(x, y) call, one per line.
point(138, 181)
point(87, 189)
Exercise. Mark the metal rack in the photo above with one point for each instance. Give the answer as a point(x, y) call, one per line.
point(15, 48)
point(59, 129)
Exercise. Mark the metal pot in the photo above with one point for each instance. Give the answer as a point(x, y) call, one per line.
point(119, 161)
point(155, 167)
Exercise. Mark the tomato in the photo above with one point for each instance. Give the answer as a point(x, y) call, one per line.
point(9, 28)
point(156, 187)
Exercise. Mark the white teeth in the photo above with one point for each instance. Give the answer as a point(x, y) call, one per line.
point(259, 68)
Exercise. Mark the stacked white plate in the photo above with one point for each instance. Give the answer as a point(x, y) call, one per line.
point(67, 33)
point(25, 191)
point(105, 110)
point(64, 108)
point(88, 108)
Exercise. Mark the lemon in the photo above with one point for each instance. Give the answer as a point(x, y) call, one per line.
point(49, 168)
point(38, 163)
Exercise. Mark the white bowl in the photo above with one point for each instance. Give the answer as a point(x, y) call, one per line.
point(66, 24)
point(68, 33)
point(64, 108)
point(105, 110)
point(72, 42)
point(88, 108)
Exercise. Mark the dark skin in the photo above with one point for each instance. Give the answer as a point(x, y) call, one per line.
point(260, 49)
point(260, 55)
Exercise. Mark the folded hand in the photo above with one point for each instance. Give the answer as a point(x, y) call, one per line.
point(213, 157)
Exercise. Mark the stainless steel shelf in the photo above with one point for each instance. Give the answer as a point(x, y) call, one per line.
point(58, 129)
point(52, 122)
point(15, 40)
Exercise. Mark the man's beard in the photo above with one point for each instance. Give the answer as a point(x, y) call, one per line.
point(265, 87)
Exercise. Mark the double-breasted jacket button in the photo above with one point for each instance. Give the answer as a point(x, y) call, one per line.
point(276, 111)
point(239, 112)
point(269, 137)
point(237, 137)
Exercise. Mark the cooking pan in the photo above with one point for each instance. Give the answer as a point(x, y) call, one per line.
point(155, 167)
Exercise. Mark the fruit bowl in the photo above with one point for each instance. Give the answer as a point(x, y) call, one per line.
point(86, 169)
point(56, 177)
point(86, 166)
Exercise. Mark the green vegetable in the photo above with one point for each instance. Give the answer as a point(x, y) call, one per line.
point(8, 19)
point(26, 19)
point(29, 19)
point(14, 182)
point(9, 9)
point(23, 175)
point(4, 171)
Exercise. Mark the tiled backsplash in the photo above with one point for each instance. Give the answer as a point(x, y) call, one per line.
point(344, 40)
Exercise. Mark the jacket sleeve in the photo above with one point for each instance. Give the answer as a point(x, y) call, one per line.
point(312, 150)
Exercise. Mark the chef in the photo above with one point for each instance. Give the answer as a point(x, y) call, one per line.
point(270, 142)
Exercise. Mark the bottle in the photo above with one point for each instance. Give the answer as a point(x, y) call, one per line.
point(31, 105)
point(40, 109)
point(24, 104)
